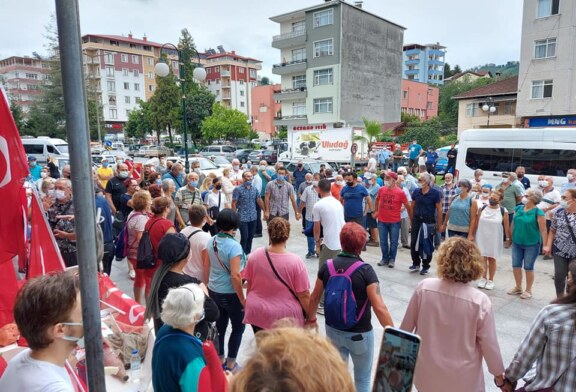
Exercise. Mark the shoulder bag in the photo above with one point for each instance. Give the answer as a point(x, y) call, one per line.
point(284, 283)
point(213, 212)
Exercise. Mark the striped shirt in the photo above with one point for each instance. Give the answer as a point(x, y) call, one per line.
point(279, 194)
point(447, 196)
point(551, 345)
point(310, 197)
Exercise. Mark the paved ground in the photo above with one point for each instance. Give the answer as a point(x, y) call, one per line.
point(513, 315)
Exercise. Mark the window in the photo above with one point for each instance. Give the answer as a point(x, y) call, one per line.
point(299, 26)
point(298, 82)
point(150, 60)
point(430, 91)
point(429, 105)
point(135, 59)
point(208, 70)
point(323, 105)
point(253, 73)
point(126, 99)
point(110, 71)
point(547, 8)
point(508, 107)
point(127, 112)
point(111, 86)
point(299, 108)
point(471, 109)
point(323, 76)
point(109, 58)
point(34, 148)
point(241, 93)
point(323, 48)
point(151, 87)
point(542, 89)
point(216, 69)
point(405, 94)
point(241, 82)
point(136, 73)
point(217, 81)
point(242, 104)
point(217, 92)
point(545, 48)
point(136, 86)
point(241, 70)
point(126, 86)
point(323, 18)
point(112, 100)
point(138, 99)
point(31, 76)
point(299, 54)
point(113, 113)
point(150, 75)
point(124, 71)
point(124, 58)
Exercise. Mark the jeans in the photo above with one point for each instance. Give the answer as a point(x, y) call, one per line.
point(247, 230)
point(361, 352)
point(311, 242)
point(258, 220)
point(388, 231)
point(452, 233)
point(524, 256)
point(230, 310)
point(395, 165)
point(561, 273)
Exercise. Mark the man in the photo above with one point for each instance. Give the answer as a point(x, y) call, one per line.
point(431, 159)
point(405, 218)
point(300, 190)
point(426, 207)
point(513, 192)
point(413, 153)
point(188, 195)
point(147, 169)
point(388, 209)
point(66, 172)
point(411, 182)
point(397, 155)
point(35, 170)
point(353, 194)
point(299, 176)
point(48, 313)
point(279, 193)
point(175, 174)
point(330, 174)
point(308, 200)
point(384, 158)
point(322, 170)
point(571, 184)
point(115, 188)
point(245, 197)
point(198, 265)
point(104, 172)
point(371, 224)
point(61, 220)
point(477, 180)
point(328, 216)
point(520, 172)
point(106, 221)
point(448, 191)
point(452, 154)
point(550, 200)
point(236, 174)
point(197, 170)
point(336, 186)
point(373, 160)
point(265, 177)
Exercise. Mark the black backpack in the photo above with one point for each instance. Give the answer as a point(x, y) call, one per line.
point(146, 258)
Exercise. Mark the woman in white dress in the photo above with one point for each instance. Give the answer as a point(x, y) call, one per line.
point(488, 233)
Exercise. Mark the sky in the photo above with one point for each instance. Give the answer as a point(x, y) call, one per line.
point(475, 33)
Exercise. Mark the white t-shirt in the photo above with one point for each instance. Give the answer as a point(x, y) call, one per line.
point(550, 198)
point(27, 374)
point(372, 164)
point(330, 213)
point(421, 160)
point(198, 242)
point(212, 200)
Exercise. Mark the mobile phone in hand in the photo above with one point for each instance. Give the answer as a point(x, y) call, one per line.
point(396, 361)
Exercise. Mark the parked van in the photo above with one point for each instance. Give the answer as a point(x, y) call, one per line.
point(42, 147)
point(542, 151)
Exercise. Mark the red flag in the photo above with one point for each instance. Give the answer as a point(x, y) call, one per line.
point(8, 290)
point(13, 171)
point(44, 253)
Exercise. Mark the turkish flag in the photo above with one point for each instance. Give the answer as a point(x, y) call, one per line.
point(8, 289)
point(135, 168)
point(44, 253)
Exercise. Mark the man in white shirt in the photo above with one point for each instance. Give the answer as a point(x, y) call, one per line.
point(198, 265)
point(48, 313)
point(236, 173)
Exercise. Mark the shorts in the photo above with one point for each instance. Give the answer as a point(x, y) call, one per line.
point(358, 219)
point(524, 256)
point(371, 223)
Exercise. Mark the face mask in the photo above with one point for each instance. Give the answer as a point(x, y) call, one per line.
point(60, 194)
point(569, 177)
point(524, 200)
point(388, 183)
point(448, 182)
point(193, 184)
point(403, 184)
point(340, 183)
point(33, 163)
point(492, 202)
point(262, 167)
point(458, 191)
point(158, 182)
point(51, 192)
point(506, 181)
point(105, 164)
point(248, 183)
point(118, 161)
point(197, 170)
point(485, 195)
point(218, 187)
point(236, 167)
point(350, 183)
point(543, 183)
point(281, 178)
point(314, 183)
point(79, 341)
point(123, 174)
point(564, 204)
point(43, 174)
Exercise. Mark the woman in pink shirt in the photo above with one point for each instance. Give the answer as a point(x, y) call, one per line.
point(456, 324)
point(278, 283)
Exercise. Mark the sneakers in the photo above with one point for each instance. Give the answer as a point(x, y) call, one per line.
point(235, 369)
point(489, 285)
point(482, 283)
point(391, 264)
point(424, 271)
point(548, 257)
point(373, 243)
point(526, 295)
point(383, 263)
point(310, 255)
point(405, 247)
point(414, 268)
point(514, 291)
point(320, 310)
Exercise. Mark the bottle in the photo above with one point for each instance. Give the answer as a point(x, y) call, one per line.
point(135, 366)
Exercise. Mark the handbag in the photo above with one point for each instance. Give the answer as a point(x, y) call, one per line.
point(284, 283)
point(213, 212)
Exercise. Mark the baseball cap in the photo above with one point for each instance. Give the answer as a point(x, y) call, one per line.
point(31, 158)
point(391, 174)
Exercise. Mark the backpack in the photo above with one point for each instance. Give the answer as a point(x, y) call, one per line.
point(122, 241)
point(146, 258)
point(340, 308)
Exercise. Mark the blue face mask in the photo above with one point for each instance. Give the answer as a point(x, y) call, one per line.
point(105, 164)
point(281, 178)
point(193, 184)
point(158, 182)
point(403, 184)
point(248, 183)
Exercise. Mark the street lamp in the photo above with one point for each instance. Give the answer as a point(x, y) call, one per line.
point(162, 70)
point(489, 108)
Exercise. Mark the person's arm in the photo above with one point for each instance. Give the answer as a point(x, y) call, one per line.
point(294, 206)
point(473, 219)
point(205, 266)
point(548, 245)
point(410, 321)
point(302, 206)
point(375, 298)
point(110, 202)
point(260, 202)
point(439, 213)
point(234, 205)
point(369, 202)
point(507, 229)
point(376, 204)
point(236, 278)
point(180, 219)
point(317, 230)
point(267, 204)
point(543, 229)
point(64, 235)
point(408, 207)
point(315, 298)
point(488, 341)
point(171, 229)
point(304, 299)
point(178, 198)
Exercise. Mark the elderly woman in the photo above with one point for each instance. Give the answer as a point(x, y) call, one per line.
point(550, 346)
point(561, 242)
point(135, 223)
point(357, 341)
point(180, 362)
point(227, 186)
point(169, 189)
point(460, 344)
point(278, 283)
point(462, 213)
point(528, 233)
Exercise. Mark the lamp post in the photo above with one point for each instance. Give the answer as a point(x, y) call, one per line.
point(162, 69)
point(489, 108)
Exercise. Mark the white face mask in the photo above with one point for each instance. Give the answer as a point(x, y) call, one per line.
point(524, 200)
point(543, 183)
point(60, 194)
point(485, 195)
point(78, 340)
point(564, 204)
point(340, 183)
point(569, 177)
point(43, 174)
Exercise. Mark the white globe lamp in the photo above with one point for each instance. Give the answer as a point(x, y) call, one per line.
point(162, 69)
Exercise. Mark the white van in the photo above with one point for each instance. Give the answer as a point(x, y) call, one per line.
point(42, 147)
point(542, 151)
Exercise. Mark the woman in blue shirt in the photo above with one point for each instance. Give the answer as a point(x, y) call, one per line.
point(462, 213)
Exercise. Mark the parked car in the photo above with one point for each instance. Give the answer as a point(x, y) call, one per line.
point(255, 156)
point(242, 155)
point(218, 151)
point(312, 165)
point(142, 151)
point(112, 154)
point(221, 162)
point(443, 159)
point(207, 166)
point(155, 151)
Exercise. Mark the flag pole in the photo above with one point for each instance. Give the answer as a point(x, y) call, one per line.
point(67, 16)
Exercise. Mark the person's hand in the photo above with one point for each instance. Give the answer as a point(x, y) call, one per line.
point(243, 302)
point(508, 243)
point(311, 324)
point(509, 386)
point(471, 237)
point(547, 250)
point(318, 247)
point(374, 214)
point(61, 235)
point(266, 215)
point(297, 216)
point(229, 376)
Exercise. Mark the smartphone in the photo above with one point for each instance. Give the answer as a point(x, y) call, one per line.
point(396, 361)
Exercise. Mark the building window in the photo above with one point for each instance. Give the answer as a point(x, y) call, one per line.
point(241, 82)
point(112, 100)
point(138, 99)
point(323, 105)
point(542, 89)
point(430, 91)
point(136, 86)
point(126, 99)
point(150, 60)
point(547, 8)
point(126, 86)
point(545, 48)
point(299, 26)
point(109, 58)
point(127, 112)
point(323, 18)
point(508, 106)
point(124, 58)
point(136, 73)
point(31, 76)
point(150, 75)
point(241, 93)
point(151, 87)
point(111, 85)
point(217, 81)
point(253, 73)
point(217, 92)
point(110, 71)
point(124, 71)
point(471, 109)
point(299, 54)
point(429, 105)
point(324, 48)
point(298, 81)
point(241, 70)
point(217, 69)
point(405, 94)
point(241, 104)
point(299, 108)
point(135, 59)
point(113, 113)
point(323, 76)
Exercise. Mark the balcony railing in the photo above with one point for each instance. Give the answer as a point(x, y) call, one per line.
point(292, 34)
point(225, 73)
point(291, 117)
point(289, 63)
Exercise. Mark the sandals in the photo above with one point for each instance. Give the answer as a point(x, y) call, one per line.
point(526, 295)
point(515, 291)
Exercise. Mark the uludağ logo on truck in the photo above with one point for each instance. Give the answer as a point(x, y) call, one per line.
point(335, 145)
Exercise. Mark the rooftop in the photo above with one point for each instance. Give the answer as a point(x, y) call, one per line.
point(436, 46)
point(503, 87)
point(121, 38)
point(478, 73)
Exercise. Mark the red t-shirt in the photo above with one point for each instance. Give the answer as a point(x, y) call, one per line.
point(390, 204)
point(161, 226)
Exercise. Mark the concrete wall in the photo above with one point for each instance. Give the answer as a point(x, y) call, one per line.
point(480, 119)
point(371, 69)
point(264, 108)
point(419, 99)
point(321, 33)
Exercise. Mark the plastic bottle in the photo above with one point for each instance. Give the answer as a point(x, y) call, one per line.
point(135, 366)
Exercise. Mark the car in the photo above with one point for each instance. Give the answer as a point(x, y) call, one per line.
point(155, 151)
point(443, 159)
point(142, 151)
point(270, 156)
point(221, 162)
point(112, 154)
point(218, 151)
point(255, 156)
point(312, 165)
point(242, 155)
point(207, 166)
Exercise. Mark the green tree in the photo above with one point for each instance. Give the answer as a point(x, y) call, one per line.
point(282, 132)
point(372, 133)
point(225, 123)
point(95, 113)
point(425, 134)
point(139, 123)
point(409, 118)
point(447, 106)
point(18, 115)
point(165, 106)
point(456, 70)
point(265, 81)
point(447, 70)
point(198, 106)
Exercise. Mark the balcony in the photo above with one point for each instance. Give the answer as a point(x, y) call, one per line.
point(289, 40)
point(435, 62)
point(412, 62)
point(296, 119)
point(289, 67)
point(412, 71)
point(225, 74)
point(412, 52)
point(291, 94)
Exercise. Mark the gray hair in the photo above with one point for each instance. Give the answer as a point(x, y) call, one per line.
point(167, 184)
point(427, 177)
point(535, 194)
point(183, 306)
point(402, 170)
point(465, 183)
point(512, 176)
point(478, 172)
point(64, 181)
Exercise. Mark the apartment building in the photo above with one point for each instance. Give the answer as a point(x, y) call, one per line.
point(339, 63)
point(419, 99)
point(22, 78)
point(424, 63)
point(547, 77)
point(265, 109)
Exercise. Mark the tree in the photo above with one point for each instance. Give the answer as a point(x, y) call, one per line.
point(94, 112)
point(409, 118)
point(457, 70)
point(425, 134)
point(283, 132)
point(225, 123)
point(165, 106)
point(265, 81)
point(447, 106)
point(139, 122)
point(447, 71)
point(372, 133)
point(18, 115)
point(198, 106)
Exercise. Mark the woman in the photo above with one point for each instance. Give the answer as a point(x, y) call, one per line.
point(180, 362)
point(174, 216)
point(155, 190)
point(562, 239)
point(462, 213)
point(492, 224)
point(155, 178)
point(44, 175)
point(528, 233)
point(173, 250)
point(483, 197)
point(357, 341)
point(215, 201)
point(461, 344)
point(227, 260)
point(47, 192)
point(278, 284)
point(54, 172)
point(125, 204)
point(293, 360)
point(135, 223)
point(227, 186)
point(550, 345)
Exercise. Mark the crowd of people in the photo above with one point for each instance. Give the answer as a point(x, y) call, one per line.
point(203, 278)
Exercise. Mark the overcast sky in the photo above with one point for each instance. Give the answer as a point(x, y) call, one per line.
point(475, 33)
